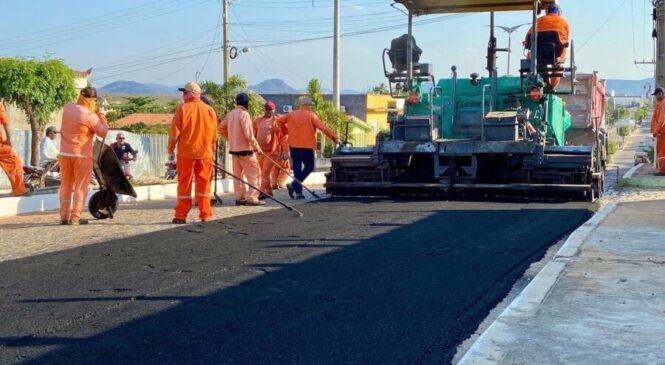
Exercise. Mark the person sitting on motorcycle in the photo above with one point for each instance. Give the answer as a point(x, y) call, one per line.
point(124, 152)
point(48, 150)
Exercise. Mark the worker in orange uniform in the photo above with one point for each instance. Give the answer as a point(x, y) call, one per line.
point(10, 161)
point(194, 133)
point(80, 122)
point(237, 129)
point(268, 136)
point(658, 129)
point(278, 175)
point(301, 126)
point(553, 22)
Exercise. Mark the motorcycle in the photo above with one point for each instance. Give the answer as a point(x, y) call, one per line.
point(35, 177)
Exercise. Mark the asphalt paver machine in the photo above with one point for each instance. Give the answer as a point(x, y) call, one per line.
point(463, 136)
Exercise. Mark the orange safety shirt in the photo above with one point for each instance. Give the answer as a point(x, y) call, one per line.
point(301, 126)
point(79, 126)
point(193, 130)
point(237, 129)
point(553, 22)
point(266, 133)
point(658, 118)
point(3, 120)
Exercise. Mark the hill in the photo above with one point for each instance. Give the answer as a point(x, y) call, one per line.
point(137, 88)
point(273, 86)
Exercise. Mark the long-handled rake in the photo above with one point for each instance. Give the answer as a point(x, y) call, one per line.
point(299, 213)
point(293, 177)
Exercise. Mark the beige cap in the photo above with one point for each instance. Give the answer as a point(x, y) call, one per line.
point(191, 87)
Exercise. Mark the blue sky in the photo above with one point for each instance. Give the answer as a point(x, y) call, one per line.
point(170, 41)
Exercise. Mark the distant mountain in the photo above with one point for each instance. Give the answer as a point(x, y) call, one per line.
point(629, 87)
point(137, 88)
point(273, 86)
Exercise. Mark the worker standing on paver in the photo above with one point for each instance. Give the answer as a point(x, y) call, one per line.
point(268, 135)
point(237, 130)
point(10, 162)
point(658, 129)
point(301, 126)
point(80, 122)
point(194, 132)
point(553, 22)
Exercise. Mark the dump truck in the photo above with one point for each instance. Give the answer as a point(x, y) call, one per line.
point(475, 136)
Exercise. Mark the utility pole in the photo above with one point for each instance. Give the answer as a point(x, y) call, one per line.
point(225, 41)
point(336, 97)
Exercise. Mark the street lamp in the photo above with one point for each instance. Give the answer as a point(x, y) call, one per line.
point(510, 31)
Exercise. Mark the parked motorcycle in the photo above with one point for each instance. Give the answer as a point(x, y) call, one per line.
point(35, 177)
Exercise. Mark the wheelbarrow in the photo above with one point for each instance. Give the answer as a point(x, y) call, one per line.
point(111, 179)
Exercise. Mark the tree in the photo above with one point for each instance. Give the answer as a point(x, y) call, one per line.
point(39, 88)
point(624, 132)
point(381, 89)
point(223, 97)
point(338, 121)
point(640, 114)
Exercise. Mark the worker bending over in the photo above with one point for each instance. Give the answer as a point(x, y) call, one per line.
point(194, 133)
point(658, 129)
point(237, 129)
point(9, 161)
point(81, 121)
point(552, 21)
point(301, 126)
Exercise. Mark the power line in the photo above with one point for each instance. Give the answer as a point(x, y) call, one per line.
point(602, 25)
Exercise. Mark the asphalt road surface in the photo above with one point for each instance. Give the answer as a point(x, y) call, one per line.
point(351, 282)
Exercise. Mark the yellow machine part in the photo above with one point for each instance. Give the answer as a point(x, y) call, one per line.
point(422, 7)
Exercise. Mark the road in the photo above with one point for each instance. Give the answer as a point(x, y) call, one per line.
point(352, 282)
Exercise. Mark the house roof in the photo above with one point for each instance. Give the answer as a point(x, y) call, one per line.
point(145, 118)
point(80, 74)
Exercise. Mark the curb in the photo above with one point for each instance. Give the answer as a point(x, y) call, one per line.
point(12, 206)
point(487, 348)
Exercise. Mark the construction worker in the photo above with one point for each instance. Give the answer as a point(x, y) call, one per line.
point(237, 130)
point(9, 161)
point(80, 122)
point(268, 136)
point(552, 21)
point(278, 175)
point(194, 132)
point(658, 129)
point(301, 126)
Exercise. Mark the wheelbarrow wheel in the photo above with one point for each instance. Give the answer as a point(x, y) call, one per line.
point(103, 204)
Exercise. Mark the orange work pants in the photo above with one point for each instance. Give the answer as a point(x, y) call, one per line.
point(75, 175)
point(660, 152)
point(12, 166)
point(278, 177)
point(267, 166)
point(246, 167)
point(201, 170)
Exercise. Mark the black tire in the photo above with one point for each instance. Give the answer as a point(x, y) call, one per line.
point(103, 204)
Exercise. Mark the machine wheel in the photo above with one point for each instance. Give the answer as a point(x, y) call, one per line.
point(103, 204)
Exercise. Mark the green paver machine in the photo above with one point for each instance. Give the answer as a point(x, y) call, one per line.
point(488, 136)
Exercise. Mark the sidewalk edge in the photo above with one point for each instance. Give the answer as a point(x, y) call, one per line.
point(486, 350)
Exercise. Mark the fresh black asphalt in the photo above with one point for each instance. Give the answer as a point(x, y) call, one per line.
point(351, 282)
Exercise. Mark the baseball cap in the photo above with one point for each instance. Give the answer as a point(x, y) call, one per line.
point(657, 91)
point(270, 105)
point(554, 8)
point(191, 87)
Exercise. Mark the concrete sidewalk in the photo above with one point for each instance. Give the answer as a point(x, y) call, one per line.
point(601, 300)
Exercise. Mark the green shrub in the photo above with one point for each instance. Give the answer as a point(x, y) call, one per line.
point(624, 131)
point(611, 147)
